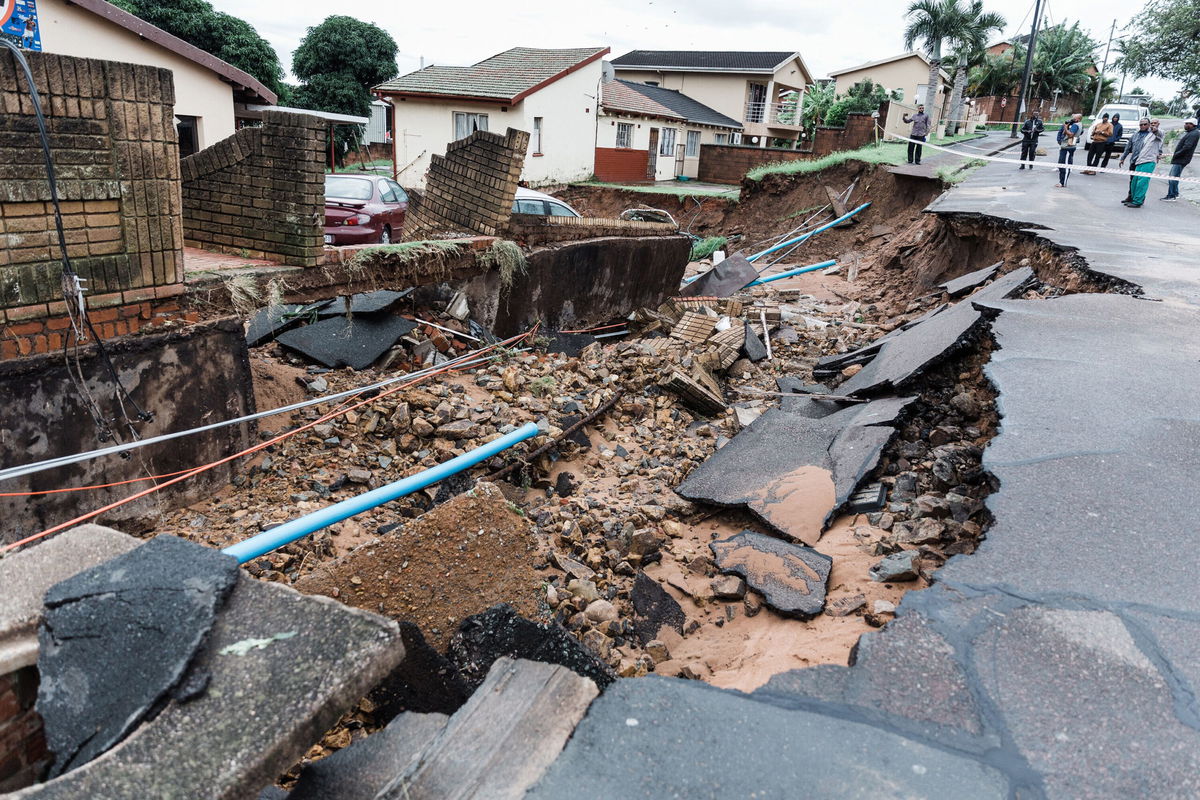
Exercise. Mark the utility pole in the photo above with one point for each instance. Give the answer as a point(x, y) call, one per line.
point(1037, 13)
point(1104, 66)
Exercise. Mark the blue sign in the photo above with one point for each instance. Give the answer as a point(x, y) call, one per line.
point(19, 23)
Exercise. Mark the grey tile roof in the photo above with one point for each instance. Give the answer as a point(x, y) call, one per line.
point(730, 60)
point(639, 97)
point(505, 76)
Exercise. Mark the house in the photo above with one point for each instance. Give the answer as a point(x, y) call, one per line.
point(552, 94)
point(907, 72)
point(208, 91)
point(761, 90)
point(650, 133)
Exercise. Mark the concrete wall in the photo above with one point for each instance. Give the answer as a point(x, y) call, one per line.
point(186, 378)
point(117, 165)
point(582, 283)
point(261, 192)
point(201, 93)
point(425, 128)
point(906, 74)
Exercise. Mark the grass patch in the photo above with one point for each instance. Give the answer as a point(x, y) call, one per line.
point(957, 173)
point(729, 194)
point(405, 252)
point(890, 153)
point(802, 212)
point(705, 247)
point(506, 257)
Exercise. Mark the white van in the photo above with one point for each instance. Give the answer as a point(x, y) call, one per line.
point(1130, 117)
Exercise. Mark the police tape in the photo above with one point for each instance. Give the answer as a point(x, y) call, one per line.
point(1052, 165)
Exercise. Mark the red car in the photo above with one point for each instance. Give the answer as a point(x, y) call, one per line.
point(363, 210)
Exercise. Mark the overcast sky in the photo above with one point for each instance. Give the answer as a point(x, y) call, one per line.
point(829, 35)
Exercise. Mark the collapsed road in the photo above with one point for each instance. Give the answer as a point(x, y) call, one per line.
point(1022, 459)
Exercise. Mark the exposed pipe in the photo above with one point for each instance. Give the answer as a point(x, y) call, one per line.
point(809, 235)
point(289, 532)
point(789, 273)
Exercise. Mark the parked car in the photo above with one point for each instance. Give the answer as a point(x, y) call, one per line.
point(528, 201)
point(363, 209)
point(1130, 115)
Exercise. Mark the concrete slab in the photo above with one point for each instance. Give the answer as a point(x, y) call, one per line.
point(117, 638)
point(769, 466)
point(722, 280)
point(791, 578)
point(904, 357)
point(341, 342)
point(657, 738)
point(284, 667)
point(27, 574)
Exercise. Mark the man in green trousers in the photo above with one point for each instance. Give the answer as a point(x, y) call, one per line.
point(1143, 150)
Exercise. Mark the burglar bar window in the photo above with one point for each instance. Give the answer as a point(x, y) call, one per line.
point(465, 124)
point(693, 144)
point(536, 139)
point(666, 143)
point(722, 138)
point(625, 134)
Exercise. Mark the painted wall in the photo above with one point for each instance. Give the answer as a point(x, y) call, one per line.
point(567, 108)
point(606, 137)
point(200, 93)
point(906, 74)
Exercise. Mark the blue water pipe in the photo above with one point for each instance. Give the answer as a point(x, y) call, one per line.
point(805, 237)
point(289, 532)
point(789, 273)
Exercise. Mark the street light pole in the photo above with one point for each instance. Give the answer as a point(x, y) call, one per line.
point(1104, 66)
point(1037, 13)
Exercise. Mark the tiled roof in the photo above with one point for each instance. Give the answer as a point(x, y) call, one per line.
point(508, 76)
point(640, 98)
point(724, 60)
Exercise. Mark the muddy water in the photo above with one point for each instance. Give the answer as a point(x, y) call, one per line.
point(797, 503)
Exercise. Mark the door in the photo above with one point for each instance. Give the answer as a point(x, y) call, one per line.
point(756, 108)
point(679, 155)
point(652, 159)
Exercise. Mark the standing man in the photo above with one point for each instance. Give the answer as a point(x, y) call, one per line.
point(920, 129)
point(1099, 143)
point(1068, 138)
point(1144, 158)
point(1184, 149)
point(1030, 131)
point(1117, 131)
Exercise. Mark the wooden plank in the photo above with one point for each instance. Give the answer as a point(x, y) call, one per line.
point(839, 208)
point(501, 741)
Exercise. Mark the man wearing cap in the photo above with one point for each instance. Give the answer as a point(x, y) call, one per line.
point(920, 129)
point(1143, 151)
point(1184, 149)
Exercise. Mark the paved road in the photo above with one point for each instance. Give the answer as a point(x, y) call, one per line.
point(1062, 659)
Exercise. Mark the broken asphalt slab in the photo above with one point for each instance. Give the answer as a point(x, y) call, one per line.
point(117, 638)
point(753, 347)
point(965, 284)
point(791, 578)
point(904, 357)
point(732, 274)
point(658, 737)
point(363, 303)
point(283, 666)
point(793, 472)
point(269, 322)
point(654, 609)
point(341, 342)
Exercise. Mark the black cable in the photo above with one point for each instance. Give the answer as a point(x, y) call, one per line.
point(70, 280)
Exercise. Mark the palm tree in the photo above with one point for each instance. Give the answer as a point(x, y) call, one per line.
point(970, 49)
point(934, 22)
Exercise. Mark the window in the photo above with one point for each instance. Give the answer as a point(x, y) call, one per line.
point(693, 144)
point(666, 142)
point(348, 188)
point(386, 194)
point(465, 124)
point(737, 138)
point(189, 140)
point(559, 210)
point(401, 195)
point(722, 138)
point(530, 207)
point(652, 83)
point(535, 141)
point(625, 134)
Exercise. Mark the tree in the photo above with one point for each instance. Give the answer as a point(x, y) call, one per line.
point(817, 100)
point(934, 23)
point(970, 48)
point(337, 63)
point(863, 97)
point(1062, 62)
point(998, 74)
point(229, 38)
point(1164, 43)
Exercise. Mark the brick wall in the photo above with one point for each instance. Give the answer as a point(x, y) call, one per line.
point(859, 131)
point(112, 137)
point(23, 753)
point(620, 164)
point(529, 230)
point(261, 192)
point(472, 187)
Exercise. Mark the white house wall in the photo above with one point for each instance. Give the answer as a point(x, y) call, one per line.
point(606, 136)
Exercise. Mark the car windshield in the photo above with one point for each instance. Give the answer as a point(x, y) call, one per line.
point(347, 188)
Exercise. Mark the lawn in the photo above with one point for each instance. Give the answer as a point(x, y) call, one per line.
point(371, 166)
point(891, 153)
point(679, 190)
